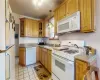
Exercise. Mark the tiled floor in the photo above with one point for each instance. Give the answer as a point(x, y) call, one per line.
point(25, 73)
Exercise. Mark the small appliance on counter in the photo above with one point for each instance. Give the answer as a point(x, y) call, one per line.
point(41, 41)
point(89, 50)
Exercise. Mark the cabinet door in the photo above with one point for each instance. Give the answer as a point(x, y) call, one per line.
point(40, 54)
point(49, 61)
point(81, 67)
point(11, 53)
point(43, 28)
point(28, 27)
point(22, 56)
point(62, 11)
point(45, 57)
point(56, 19)
point(37, 54)
point(22, 27)
point(35, 28)
point(71, 7)
point(87, 15)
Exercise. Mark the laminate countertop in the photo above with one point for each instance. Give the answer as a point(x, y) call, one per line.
point(86, 58)
point(35, 45)
point(28, 45)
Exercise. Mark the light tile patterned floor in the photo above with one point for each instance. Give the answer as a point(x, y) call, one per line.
point(26, 73)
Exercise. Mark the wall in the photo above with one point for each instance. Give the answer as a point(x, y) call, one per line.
point(91, 39)
point(21, 39)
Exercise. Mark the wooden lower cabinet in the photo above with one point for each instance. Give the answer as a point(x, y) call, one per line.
point(49, 61)
point(80, 68)
point(44, 56)
point(22, 56)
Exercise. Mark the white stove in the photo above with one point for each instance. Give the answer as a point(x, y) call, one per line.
point(67, 52)
point(63, 59)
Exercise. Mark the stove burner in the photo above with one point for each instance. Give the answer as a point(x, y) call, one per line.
point(64, 49)
point(71, 51)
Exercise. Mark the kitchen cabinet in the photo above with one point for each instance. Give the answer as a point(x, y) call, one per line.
point(29, 27)
point(42, 28)
point(27, 56)
point(71, 7)
point(55, 19)
point(35, 25)
point(22, 32)
point(86, 8)
point(22, 56)
point(62, 11)
point(80, 68)
point(44, 56)
point(49, 61)
point(37, 54)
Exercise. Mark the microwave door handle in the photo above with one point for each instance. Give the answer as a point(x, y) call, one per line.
point(9, 66)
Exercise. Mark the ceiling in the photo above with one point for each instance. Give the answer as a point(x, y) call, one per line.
point(27, 8)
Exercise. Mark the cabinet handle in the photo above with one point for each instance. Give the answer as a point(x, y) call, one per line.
point(9, 66)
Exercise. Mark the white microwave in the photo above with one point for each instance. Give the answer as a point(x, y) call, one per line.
point(69, 24)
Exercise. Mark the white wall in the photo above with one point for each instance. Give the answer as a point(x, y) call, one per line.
point(28, 40)
point(24, 39)
point(92, 39)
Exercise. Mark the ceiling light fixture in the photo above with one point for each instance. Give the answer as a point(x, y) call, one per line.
point(38, 3)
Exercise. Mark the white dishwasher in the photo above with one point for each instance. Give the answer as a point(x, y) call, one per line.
point(30, 55)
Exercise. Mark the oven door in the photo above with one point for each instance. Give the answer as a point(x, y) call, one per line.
point(62, 68)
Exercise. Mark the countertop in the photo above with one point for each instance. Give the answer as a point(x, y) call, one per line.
point(35, 45)
point(86, 58)
point(28, 45)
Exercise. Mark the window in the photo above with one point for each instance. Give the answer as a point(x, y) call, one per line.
point(50, 29)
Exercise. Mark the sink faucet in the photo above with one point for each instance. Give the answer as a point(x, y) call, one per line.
point(75, 45)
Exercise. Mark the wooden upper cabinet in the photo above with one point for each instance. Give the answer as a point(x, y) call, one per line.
point(22, 27)
point(62, 11)
point(86, 8)
point(71, 7)
point(35, 30)
point(29, 28)
point(55, 19)
point(42, 28)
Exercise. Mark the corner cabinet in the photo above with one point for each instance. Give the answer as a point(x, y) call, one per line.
point(28, 27)
point(80, 68)
point(86, 8)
